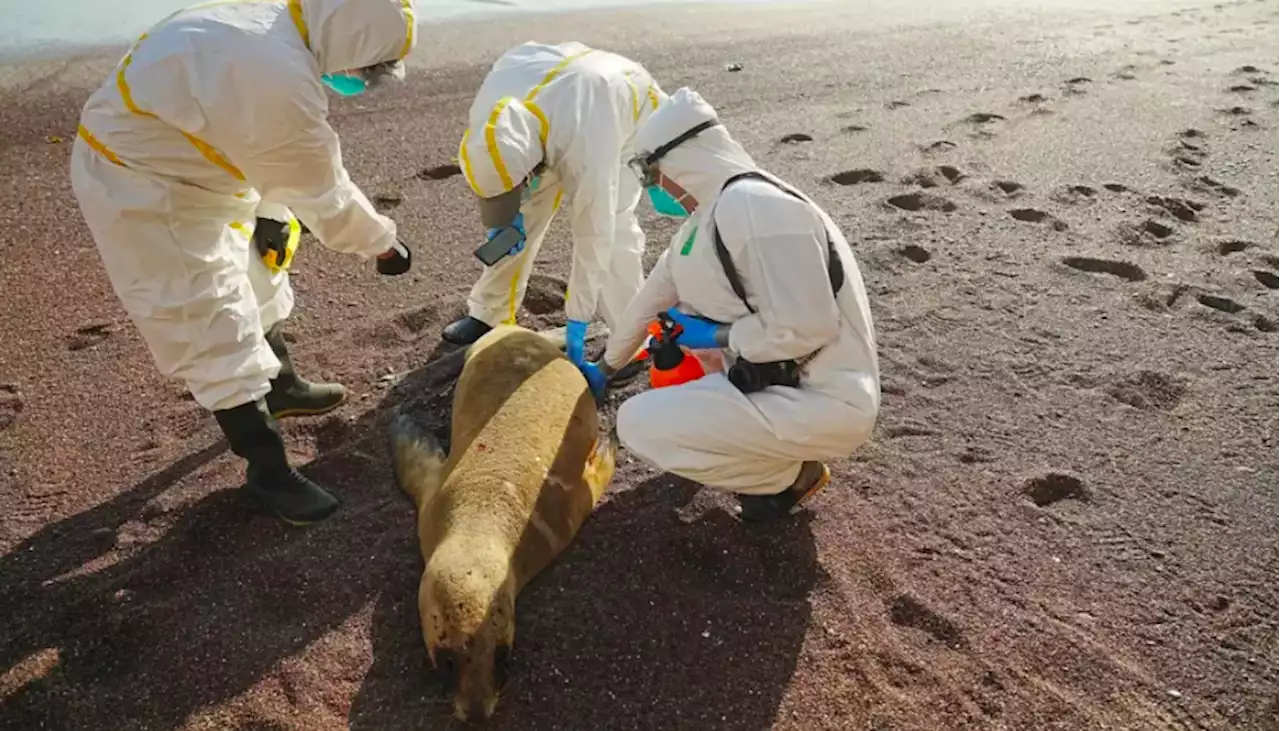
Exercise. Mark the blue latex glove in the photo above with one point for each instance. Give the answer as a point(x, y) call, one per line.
point(595, 378)
point(576, 342)
point(698, 333)
point(517, 224)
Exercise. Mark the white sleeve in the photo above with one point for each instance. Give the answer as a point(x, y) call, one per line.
point(592, 191)
point(294, 160)
point(779, 245)
point(658, 294)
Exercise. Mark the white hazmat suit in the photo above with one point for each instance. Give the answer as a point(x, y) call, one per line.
point(707, 430)
point(215, 116)
point(575, 109)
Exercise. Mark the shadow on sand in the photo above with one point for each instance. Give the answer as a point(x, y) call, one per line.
point(652, 619)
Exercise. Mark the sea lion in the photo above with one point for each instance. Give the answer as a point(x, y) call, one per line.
point(526, 466)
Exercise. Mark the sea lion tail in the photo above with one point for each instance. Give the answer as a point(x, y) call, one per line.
point(601, 464)
point(417, 457)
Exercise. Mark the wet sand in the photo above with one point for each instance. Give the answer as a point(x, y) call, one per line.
point(1066, 518)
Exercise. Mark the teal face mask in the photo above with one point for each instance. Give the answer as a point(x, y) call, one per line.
point(664, 203)
point(530, 188)
point(345, 84)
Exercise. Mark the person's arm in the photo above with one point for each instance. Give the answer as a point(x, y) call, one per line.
point(591, 188)
point(656, 295)
point(780, 244)
point(294, 159)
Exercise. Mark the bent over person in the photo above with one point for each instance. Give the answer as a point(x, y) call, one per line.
point(189, 165)
point(554, 122)
point(760, 271)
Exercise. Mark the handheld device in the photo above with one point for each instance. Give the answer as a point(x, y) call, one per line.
point(670, 363)
point(492, 251)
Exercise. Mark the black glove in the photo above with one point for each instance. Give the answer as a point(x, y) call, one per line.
point(395, 260)
point(270, 235)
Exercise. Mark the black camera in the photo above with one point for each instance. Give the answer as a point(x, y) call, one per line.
point(752, 377)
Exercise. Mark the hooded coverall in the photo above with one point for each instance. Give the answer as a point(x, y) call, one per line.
point(215, 116)
point(707, 430)
point(576, 109)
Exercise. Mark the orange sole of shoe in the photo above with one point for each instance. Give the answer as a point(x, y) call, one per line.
point(817, 487)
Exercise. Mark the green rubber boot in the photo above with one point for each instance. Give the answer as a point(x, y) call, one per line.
point(254, 436)
point(292, 395)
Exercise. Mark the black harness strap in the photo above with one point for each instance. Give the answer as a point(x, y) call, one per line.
point(835, 269)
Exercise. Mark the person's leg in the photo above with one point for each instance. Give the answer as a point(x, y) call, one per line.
point(496, 297)
point(290, 395)
point(768, 447)
point(182, 280)
point(626, 259)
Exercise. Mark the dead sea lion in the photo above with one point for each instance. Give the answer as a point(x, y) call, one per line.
point(526, 466)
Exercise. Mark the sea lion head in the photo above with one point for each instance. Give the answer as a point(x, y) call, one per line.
point(469, 628)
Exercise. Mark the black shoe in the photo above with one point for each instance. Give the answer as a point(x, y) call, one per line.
point(758, 508)
point(292, 395)
point(253, 435)
point(628, 373)
point(465, 331)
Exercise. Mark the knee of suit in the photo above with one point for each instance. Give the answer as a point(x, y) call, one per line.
point(638, 431)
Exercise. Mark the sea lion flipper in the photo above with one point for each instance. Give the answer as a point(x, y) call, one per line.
point(417, 457)
point(600, 465)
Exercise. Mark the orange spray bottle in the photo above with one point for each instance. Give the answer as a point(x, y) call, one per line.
point(670, 364)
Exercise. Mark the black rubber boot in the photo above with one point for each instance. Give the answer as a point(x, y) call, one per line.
point(758, 508)
point(254, 436)
point(628, 373)
point(294, 396)
point(465, 331)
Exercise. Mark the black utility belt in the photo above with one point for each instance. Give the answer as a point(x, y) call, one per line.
point(751, 377)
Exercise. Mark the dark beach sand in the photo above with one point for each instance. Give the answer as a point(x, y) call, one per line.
point(1066, 518)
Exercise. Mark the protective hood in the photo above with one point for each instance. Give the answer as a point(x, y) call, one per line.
point(702, 163)
point(353, 34)
point(500, 150)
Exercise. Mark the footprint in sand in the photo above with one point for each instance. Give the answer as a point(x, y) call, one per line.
point(908, 611)
point(1180, 208)
point(1220, 303)
point(857, 177)
point(933, 177)
point(89, 336)
point(938, 146)
point(920, 202)
point(1267, 279)
point(1206, 184)
point(1116, 187)
point(1234, 246)
point(1149, 390)
point(1236, 111)
point(917, 254)
point(387, 201)
point(1073, 195)
point(1148, 233)
point(1008, 188)
point(11, 404)
point(795, 137)
point(896, 104)
point(1121, 269)
point(439, 172)
point(1076, 85)
point(1036, 98)
point(982, 124)
point(855, 128)
point(1242, 88)
point(1032, 215)
point(1053, 487)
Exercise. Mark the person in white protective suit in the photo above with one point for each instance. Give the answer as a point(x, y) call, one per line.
point(190, 164)
point(553, 121)
point(786, 304)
